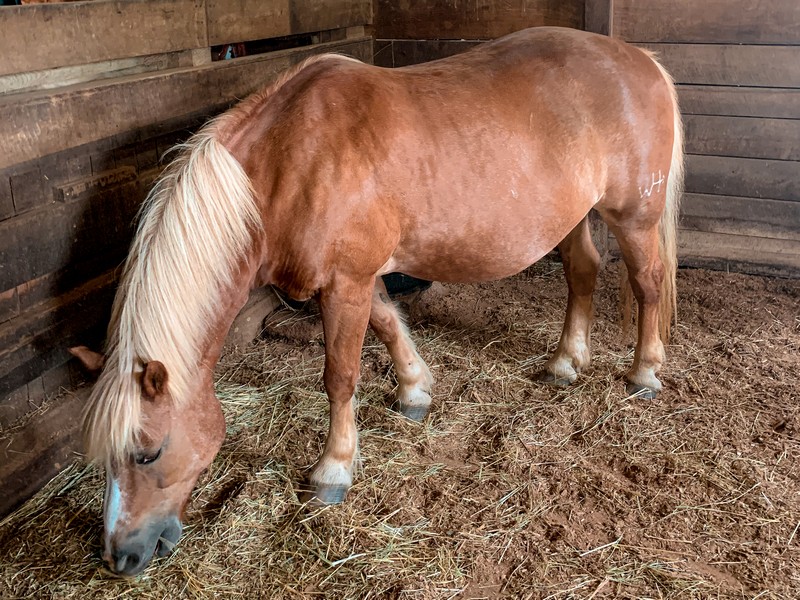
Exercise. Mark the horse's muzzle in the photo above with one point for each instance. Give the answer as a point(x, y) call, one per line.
point(130, 556)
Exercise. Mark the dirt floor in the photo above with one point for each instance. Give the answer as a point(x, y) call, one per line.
point(510, 489)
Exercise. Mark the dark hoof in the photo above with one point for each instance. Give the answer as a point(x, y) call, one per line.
point(550, 379)
point(415, 412)
point(641, 391)
point(324, 495)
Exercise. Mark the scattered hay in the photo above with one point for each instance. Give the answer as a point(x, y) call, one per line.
point(510, 488)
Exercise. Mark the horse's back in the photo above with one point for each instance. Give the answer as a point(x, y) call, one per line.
point(471, 167)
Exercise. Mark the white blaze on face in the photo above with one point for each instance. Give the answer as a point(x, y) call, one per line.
point(113, 506)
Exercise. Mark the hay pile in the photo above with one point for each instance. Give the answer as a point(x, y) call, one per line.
point(510, 489)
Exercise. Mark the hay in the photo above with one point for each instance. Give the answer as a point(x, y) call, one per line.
point(509, 489)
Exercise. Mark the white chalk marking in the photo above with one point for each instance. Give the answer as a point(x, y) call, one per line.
point(647, 191)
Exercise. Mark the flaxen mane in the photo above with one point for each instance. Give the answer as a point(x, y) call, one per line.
point(194, 226)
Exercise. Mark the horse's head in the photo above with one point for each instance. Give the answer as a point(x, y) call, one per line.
point(148, 488)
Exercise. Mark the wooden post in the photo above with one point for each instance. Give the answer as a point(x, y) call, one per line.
point(599, 16)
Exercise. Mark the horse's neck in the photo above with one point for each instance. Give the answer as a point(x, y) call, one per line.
point(234, 300)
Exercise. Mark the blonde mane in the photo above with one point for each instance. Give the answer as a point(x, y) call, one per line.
point(194, 227)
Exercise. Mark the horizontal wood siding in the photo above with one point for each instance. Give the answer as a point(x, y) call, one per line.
point(737, 66)
point(478, 19)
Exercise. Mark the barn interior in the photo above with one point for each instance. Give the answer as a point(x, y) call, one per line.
point(511, 489)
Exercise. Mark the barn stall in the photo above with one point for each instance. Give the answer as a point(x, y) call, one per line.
point(511, 488)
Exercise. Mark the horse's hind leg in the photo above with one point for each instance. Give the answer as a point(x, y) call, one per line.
point(639, 247)
point(581, 264)
point(345, 309)
point(414, 379)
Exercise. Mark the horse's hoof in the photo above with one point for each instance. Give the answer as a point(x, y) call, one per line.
point(550, 379)
point(641, 391)
point(415, 412)
point(324, 495)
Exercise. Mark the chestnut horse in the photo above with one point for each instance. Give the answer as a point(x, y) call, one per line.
point(465, 169)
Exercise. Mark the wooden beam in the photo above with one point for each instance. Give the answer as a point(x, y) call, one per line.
point(59, 234)
point(711, 64)
point(598, 16)
point(746, 254)
point(748, 137)
point(37, 340)
point(90, 112)
point(478, 20)
point(740, 101)
point(232, 21)
point(755, 217)
point(35, 453)
point(745, 177)
point(710, 21)
point(44, 36)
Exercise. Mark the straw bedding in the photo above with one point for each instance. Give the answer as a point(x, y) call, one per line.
point(510, 489)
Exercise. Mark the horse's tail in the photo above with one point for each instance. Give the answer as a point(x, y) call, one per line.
point(668, 226)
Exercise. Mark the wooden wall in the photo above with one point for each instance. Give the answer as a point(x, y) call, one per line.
point(87, 113)
point(737, 64)
point(409, 32)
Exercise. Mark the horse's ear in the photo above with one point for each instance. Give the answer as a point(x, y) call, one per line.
point(154, 379)
point(92, 361)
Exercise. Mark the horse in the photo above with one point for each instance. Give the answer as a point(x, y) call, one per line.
point(465, 169)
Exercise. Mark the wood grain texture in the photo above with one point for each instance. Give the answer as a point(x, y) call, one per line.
point(46, 240)
point(61, 76)
point(402, 53)
point(32, 455)
point(748, 137)
point(479, 20)
point(37, 340)
point(231, 21)
point(739, 101)
point(742, 253)
point(87, 32)
point(741, 216)
point(90, 112)
point(725, 64)
point(709, 21)
point(598, 16)
point(744, 177)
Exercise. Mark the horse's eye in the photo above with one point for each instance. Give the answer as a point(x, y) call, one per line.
point(146, 459)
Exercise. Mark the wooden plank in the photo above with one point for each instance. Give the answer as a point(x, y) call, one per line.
point(710, 21)
point(746, 254)
point(740, 101)
point(710, 64)
point(90, 112)
point(9, 304)
point(598, 16)
point(59, 77)
point(6, 199)
point(755, 217)
point(322, 15)
point(87, 32)
point(49, 239)
point(747, 177)
point(231, 21)
point(748, 137)
point(32, 455)
point(403, 53)
point(477, 20)
point(37, 340)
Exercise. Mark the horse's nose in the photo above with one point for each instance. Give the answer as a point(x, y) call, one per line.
point(127, 562)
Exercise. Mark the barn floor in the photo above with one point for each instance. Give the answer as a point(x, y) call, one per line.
point(511, 489)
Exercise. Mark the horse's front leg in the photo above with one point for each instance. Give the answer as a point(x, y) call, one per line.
point(345, 308)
